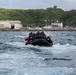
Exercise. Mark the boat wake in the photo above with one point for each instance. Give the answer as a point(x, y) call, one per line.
point(55, 49)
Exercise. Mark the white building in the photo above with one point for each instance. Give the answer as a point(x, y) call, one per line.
point(47, 27)
point(10, 24)
point(56, 25)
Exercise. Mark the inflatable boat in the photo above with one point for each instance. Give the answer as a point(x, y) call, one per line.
point(39, 40)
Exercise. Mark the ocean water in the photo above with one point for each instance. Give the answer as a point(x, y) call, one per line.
point(16, 58)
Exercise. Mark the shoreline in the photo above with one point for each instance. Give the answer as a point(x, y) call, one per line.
point(43, 30)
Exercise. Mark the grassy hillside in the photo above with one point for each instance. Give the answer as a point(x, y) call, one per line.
point(39, 17)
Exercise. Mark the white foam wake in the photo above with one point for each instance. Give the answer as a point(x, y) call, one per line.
point(55, 49)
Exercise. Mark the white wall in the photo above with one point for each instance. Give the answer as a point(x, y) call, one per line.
point(8, 23)
point(18, 26)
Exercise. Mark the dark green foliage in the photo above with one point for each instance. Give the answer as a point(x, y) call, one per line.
point(39, 17)
point(69, 17)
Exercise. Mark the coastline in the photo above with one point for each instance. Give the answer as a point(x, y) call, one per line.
point(41, 30)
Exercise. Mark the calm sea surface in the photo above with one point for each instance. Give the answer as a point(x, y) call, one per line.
point(16, 58)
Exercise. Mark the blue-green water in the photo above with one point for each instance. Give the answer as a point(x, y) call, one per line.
point(16, 58)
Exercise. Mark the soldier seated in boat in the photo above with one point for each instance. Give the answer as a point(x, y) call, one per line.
point(31, 35)
point(49, 40)
point(39, 35)
point(42, 33)
point(30, 38)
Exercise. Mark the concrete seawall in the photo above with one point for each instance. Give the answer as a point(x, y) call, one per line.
point(40, 30)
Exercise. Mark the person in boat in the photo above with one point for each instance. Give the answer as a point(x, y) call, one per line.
point(49, 40)
point(33, 36)
point(38, 35)
point(42, 33)
point(43, 36)
point(30, 38)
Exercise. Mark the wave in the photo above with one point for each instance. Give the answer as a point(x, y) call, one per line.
point(58, 48)
point(55, 49)
point(39, 71)
point(19, 36)
point(16, 44)
point(50, 71)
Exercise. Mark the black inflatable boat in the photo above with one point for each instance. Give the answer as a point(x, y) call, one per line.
point(39, 40)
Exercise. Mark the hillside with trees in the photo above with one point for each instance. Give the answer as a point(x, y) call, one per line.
point(39, 17)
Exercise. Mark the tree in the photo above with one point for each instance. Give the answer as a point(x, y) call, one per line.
point(55, 7)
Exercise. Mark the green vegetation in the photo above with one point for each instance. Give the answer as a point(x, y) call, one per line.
point(39, 17)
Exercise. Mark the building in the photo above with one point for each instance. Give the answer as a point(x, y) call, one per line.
point(57, 25)
point(47, 27)
point(10, 24)
point(34, 28)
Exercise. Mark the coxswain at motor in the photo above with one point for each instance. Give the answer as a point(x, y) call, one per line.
point(39, 38)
